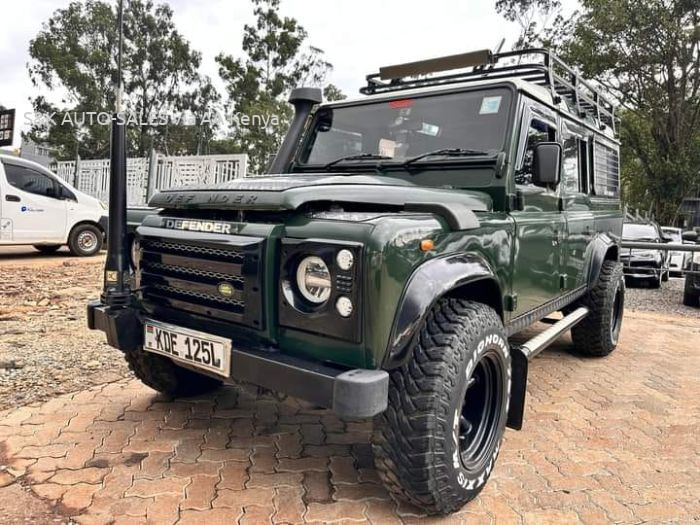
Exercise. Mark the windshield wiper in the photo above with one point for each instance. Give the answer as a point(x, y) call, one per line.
point(359, 156)
point(445, 152)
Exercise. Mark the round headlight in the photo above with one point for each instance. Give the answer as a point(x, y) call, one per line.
point(314, 280)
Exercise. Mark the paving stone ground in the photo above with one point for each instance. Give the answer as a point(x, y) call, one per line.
point(605, 440)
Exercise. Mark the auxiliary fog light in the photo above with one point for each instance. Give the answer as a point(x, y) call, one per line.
point(345, 259)
point(344, 306)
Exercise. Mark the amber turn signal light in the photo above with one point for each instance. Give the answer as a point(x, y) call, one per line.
point(426, 245)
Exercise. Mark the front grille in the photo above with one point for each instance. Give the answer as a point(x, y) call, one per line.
point(221, 281)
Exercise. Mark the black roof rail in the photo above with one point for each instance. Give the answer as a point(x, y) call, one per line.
point(542, 68)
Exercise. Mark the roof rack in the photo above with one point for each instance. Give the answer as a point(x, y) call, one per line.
point(544, 68)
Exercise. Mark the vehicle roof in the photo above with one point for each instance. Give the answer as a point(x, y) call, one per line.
point(24, 162)
point(537, 92)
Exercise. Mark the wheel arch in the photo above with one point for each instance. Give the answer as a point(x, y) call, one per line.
point(602, 248)
point(464, 276)
point(88, 222)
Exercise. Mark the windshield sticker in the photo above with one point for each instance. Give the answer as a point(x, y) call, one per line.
point(387, 147)
point(490, 105)
point(429, 129)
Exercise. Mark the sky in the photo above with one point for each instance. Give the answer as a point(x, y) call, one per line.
point(357, 36)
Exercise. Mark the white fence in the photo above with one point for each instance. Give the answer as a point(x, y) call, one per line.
point(145, 175)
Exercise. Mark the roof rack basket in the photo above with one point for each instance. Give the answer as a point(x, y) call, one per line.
point(542, 67)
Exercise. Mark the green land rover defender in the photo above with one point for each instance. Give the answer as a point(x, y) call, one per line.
point(380, 268)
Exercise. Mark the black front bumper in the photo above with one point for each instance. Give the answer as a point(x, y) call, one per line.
point(350, 393)
point(641, 268)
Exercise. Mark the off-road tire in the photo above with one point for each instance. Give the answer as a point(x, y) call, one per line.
point(47, 248)
point(416, 440)
point(597, 334)
point(655, 283)
point(690, 299)
point(80, 248)
point(161, 374)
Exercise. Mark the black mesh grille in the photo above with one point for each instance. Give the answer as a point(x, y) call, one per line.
point(219, 281)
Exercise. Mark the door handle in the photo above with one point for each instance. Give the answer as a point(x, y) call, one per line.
point(558, 238)
point(12, 198)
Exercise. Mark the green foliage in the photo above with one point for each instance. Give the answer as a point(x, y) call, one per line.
point(75, 53)
point(276, 60)
point(647, 54)
point(332, 93)
point(542, 22)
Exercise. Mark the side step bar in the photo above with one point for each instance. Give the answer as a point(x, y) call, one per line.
point(542, 340)
point(523, 354)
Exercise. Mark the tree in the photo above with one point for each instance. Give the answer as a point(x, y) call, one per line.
point(543, 23)
point(75, 54)
point(276, 60)
point(647, 54)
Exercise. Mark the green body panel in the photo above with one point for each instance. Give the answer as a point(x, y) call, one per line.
point(536, 252)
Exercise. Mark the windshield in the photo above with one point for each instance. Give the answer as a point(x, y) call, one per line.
point(401, 129)
point(639, 231)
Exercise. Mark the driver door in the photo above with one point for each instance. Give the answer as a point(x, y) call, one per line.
point(539, 226)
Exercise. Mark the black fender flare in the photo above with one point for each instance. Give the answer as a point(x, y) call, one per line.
point(599, 247)
point(429, 282)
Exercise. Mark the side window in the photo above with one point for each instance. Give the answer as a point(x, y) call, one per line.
point(538, 131)
point(29, 180)
point(584, 165)
point(606, 170)
point(571, 165)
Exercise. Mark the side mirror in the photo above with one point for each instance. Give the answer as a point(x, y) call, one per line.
point(690, 236)
point(546, 164)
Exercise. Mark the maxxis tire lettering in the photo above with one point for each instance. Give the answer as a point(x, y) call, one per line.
point(465, 483)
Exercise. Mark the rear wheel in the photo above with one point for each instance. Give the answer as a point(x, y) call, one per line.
point(47, 248)
point(597, 334)
point(161, 374)
point(85, 240)
point(690, 299)
point(437, 442)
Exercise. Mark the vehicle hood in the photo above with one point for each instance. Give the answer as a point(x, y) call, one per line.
point(290, 192)
point(88, 201)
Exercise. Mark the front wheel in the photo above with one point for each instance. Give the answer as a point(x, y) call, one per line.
point(161, 374)
point(655, 283)
point(47, 249)
point(437, 442)
point(85, 240)
point(597, 334)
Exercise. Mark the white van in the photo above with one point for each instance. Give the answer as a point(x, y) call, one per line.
point(38, 208)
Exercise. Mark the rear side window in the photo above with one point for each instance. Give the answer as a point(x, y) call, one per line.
point(29, 180)
point(571, 165)
point(606, 170)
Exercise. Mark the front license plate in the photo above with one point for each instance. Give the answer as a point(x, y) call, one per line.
point(197, 349)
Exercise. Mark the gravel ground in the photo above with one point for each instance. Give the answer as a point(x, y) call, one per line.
point(666, 300)
point(45, 346)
